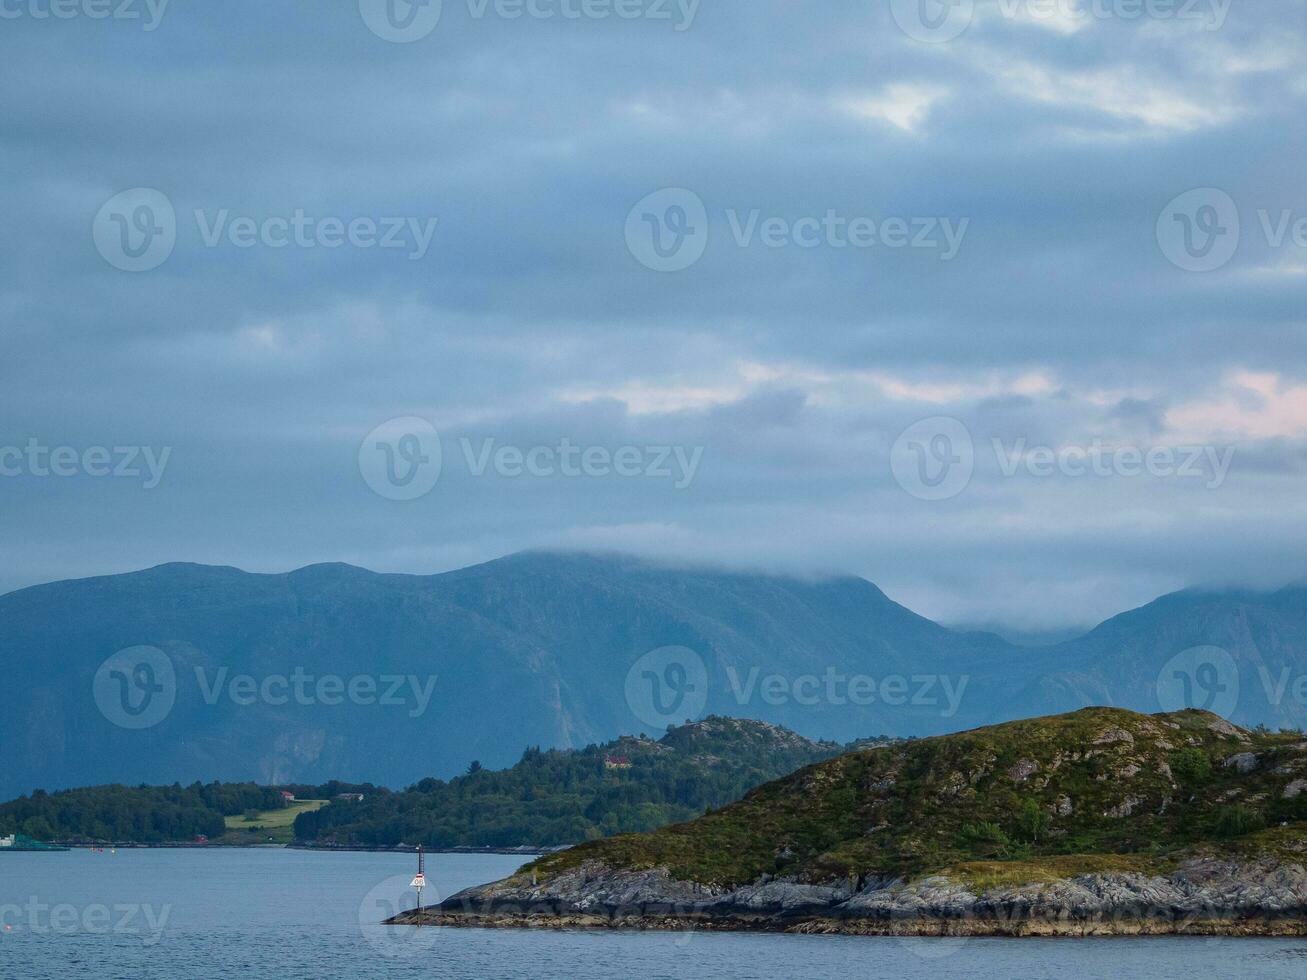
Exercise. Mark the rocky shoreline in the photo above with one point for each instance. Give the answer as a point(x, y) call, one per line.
point(1203, 897)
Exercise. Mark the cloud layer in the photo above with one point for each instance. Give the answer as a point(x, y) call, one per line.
point(1083, 312)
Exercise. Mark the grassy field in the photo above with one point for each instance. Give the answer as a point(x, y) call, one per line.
point(271, 827)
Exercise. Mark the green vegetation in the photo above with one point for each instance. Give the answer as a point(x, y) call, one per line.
point(1191, 766)
point(274, 826)
point(1098, 788)
point(563, 797)
point(141, 814)
point(549, 797)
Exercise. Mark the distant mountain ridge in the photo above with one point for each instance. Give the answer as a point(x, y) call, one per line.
point(543, 649)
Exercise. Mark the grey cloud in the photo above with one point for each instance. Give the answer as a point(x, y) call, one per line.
point(529, 141)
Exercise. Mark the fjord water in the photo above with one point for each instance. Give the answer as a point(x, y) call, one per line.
point(274, 913)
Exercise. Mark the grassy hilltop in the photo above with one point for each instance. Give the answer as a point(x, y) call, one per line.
point(1096, 790)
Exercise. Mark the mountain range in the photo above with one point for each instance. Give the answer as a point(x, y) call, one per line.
point(333, 671)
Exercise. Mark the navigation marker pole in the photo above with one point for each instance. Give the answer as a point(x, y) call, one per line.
point(419, 882)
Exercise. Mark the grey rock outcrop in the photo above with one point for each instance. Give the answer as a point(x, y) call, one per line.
point(1202, 897)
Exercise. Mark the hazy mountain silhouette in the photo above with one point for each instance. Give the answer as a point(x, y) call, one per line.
point(536, 649)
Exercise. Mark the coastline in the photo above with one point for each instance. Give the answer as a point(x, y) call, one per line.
point(1279, 928)
point(1203, 897)
point(525, 851)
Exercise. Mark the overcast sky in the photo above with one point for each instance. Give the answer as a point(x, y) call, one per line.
point(240, 239)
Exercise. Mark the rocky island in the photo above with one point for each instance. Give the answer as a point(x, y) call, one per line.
point(1097, 822)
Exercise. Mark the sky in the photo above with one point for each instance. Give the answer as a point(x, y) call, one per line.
point(999, 304)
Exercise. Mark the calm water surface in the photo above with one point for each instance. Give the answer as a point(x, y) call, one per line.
point(278, 915)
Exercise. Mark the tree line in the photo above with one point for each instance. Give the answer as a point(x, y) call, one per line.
point(138, 814)
point(563, 796)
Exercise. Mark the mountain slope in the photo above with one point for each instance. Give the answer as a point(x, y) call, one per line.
point(553, 650)
point(1241, 653)
point(529, 650)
